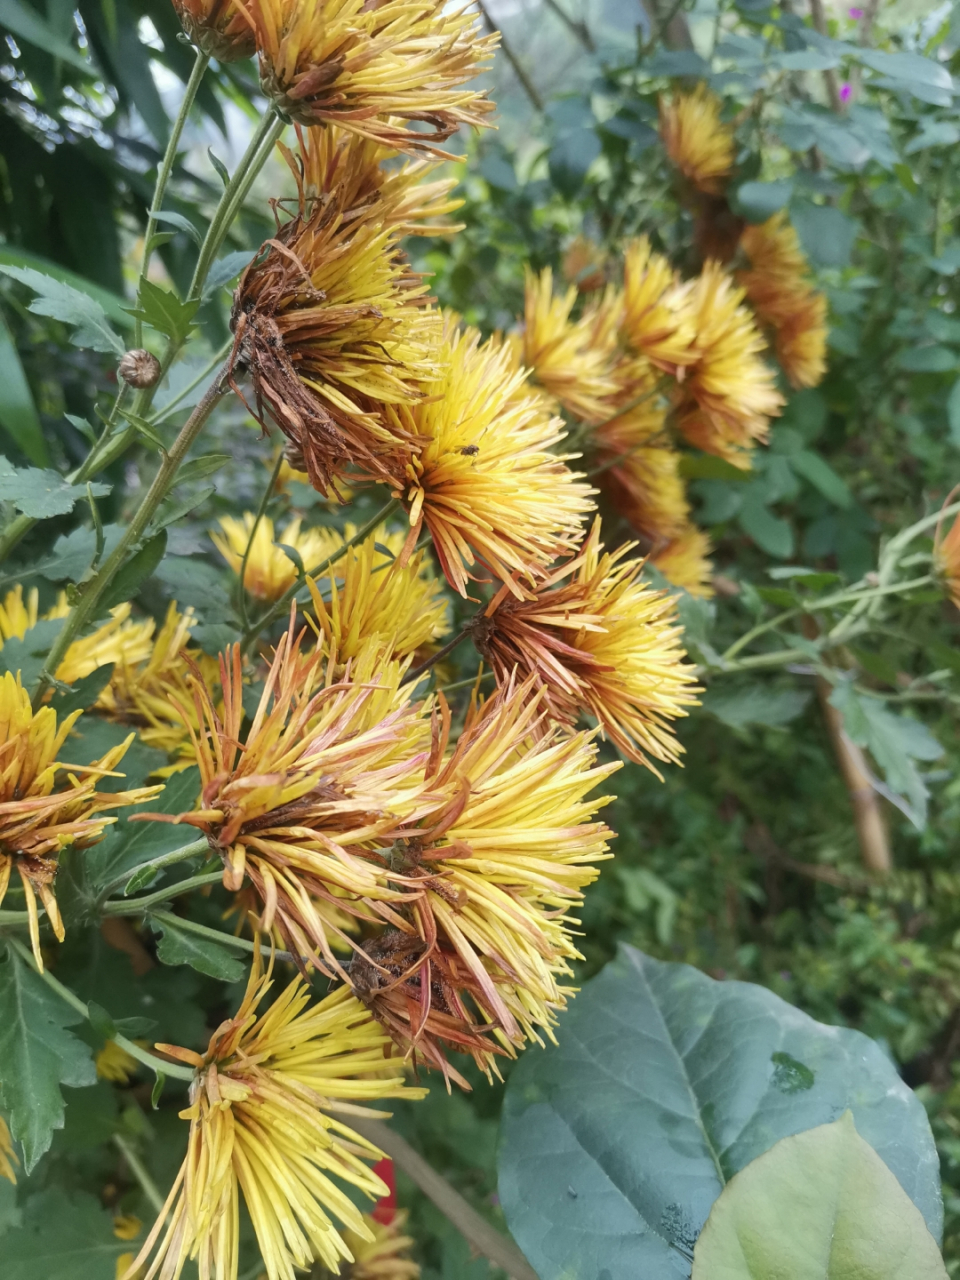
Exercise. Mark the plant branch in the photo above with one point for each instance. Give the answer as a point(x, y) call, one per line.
point(416, 672)
point(216, 935)
point(478, 1233)
point(830, 75)
point(576, 27)
point(261, 512)
point(163, 860)
point(526, 83)
point(135, 906)
point(139, 1171)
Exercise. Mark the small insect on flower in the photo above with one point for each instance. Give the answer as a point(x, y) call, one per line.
point(219, 27)
point(264, 1124)
point(373, 69)
point(8, 1157)
point(512, 506)
point(685, 562)
point(40, 815)
point(598, 640)
point(697, 141)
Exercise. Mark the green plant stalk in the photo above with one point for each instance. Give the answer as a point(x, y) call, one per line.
point(164, 860)
point(136, 906)
point(14, 917)
point(139, 1171)
point(201, 62)
point(155, 1064)
point(170, 406)
point(279, 607)
point(94, 589)
point(261, 512)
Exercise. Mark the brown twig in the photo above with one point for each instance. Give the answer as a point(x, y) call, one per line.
point(529, 88)
point(830, 75)
point(578, 28)
point(668, 23)
point(478, 1233)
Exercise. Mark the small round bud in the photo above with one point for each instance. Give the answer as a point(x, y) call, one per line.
point(139, 368)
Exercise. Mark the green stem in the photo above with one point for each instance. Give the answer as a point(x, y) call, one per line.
point(261, 512)
point(200, 65)
point(136, 906)
point(155, 1064)
point(251, 162)
point(164, 860)
point(14, 917)
point(94, 589)
point(139, 1171)
point(278, 608)
point(416, 672)
point(168, 408)
point(215, 935)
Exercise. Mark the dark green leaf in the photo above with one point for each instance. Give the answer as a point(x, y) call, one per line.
point(37, 1055)
point(164, 311)
point(73, 553)
point(136, 571)
point(192, 581)
point(170, 512)
point(200, 468)
point(63, 302)
point(222, 171)
point(84, 692)
point(756, 704)
point(144, 429)
point(664, 1084)
point(769, 532)
point(819, 1205)
point(570, 158)
point(758, 201)
point(827, 234)
point(42, 494)
point(62, 1238)
point(225, 270)
point(703, 466)
point(27, 24)
point(822, 476)
point(182, 224)
point(27, 655)
point(100, 1020)
point(934, 359)
point(178, 946)
point(953, 413)
point(779, 596)
point(18, 413)
point(112, 303)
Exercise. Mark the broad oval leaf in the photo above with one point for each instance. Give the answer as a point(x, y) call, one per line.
point(821, 1205)
point(664, 1084)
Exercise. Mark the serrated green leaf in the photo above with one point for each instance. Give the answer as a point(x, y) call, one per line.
point(178, 946)
point(135, 572)
point(820, 1205)
point(27, 655)
point(63, 302)
point(164, 311)
point(37, 1055)
point(42, 494)
point(170, 512)
point(62, 1238)
point(73, 553)
point(199, 468)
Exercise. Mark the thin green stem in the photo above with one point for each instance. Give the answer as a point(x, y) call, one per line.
point(168, 408)
point(136, 906)
point(465, 684)
point(279, 607)
point(201, 62)
point(14, 917)
point(261, 512)
point(216, 935)
point(84, 609)
point(148, 1059)
point(164, 860)
point(416, 672)
point(139, 1171)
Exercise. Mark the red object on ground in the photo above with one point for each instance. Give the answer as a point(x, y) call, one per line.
point(385, 1210)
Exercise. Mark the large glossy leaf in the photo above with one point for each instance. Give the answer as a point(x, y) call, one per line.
point(664, 1084)
point(821, 1205)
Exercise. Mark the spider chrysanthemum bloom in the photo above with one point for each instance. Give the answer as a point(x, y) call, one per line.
point(219, 27)
point(8, 1157)
point(264, 1125)
point(373, 69)
point(726, 400)
point(43, 812)
point(369, 592)
point(386, 1256)
point(697, 141)
point(269, 569)
point(685, 562)
point(946, 554)
point(657, 320)
point(640, 471)
point(485, 483)
point(502, 860)
point(324, 771)
point(779, 288)
point(561, 353)
point(584, 264)
point(330, 325)
point(600, 641)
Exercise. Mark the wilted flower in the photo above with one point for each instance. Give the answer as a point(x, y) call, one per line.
point(269, 570)
point(685, 562)
point(370, 593)
point(728, 397)
point(373, 68)
point(263, 1123)
point(485, 483)
point(37, 821)
point(696, 139)
point(219, 27)
point(8, 1157)
point(658, 320)
point(780, 290)
point(598, 640)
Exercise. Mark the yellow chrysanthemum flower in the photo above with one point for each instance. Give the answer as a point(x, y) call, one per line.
point(598, 640)
point(696, 139)
point(219, 27)
point(384, 1257)
point(641, 472)
point(126, 1226)
point(686, 562)
point(485, 484)
point(39, 816)
point(270, 571)
point(584, 264)
point(371, 594)
point(373, 69)
point(114, 1063)
point(946, 554)
point(562, 354)
point(658, 320)
point(17, 616)
point(8, 1157)
point(326, 768)
point(780, 290)
point(263, 1124)
point(728, 397)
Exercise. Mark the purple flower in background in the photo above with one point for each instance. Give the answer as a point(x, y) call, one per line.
point(856, 14)
point(845, 91)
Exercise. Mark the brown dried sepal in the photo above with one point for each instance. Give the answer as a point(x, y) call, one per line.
point(139, 368)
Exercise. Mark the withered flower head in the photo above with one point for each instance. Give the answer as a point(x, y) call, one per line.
point(330, 325)
point(598, 640)
point(485, 484)
point(685, 562)
point(728, 397)
point(264, 1124)
point(373, 69)
point(325, 769)
point(779, 288)
point(219, 27)
point(695, 138)
point(42, 813)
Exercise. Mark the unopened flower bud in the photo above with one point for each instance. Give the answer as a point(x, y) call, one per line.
point(139, 368)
